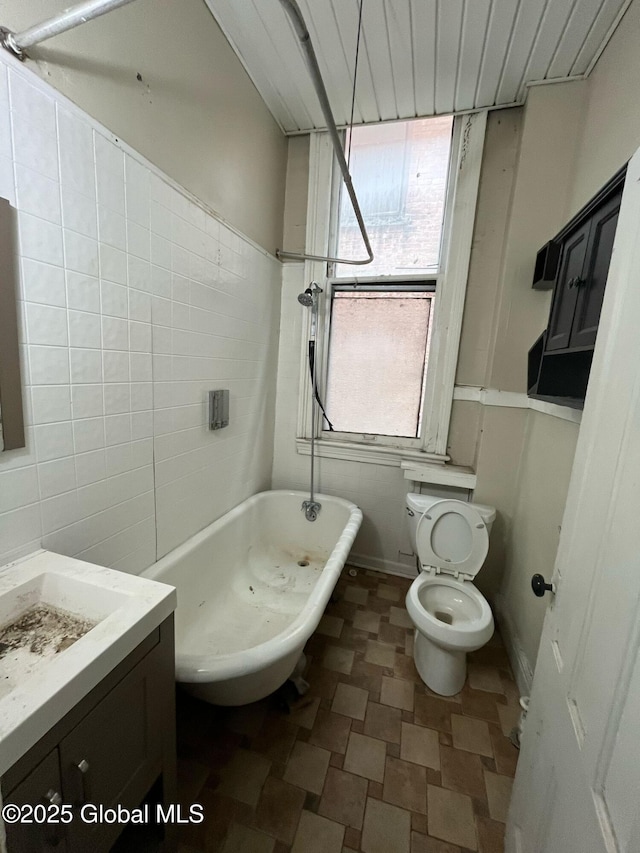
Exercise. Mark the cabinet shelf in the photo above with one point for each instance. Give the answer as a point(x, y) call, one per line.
point(560, 360)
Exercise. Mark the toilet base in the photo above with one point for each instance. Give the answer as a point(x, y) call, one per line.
point(443, 671)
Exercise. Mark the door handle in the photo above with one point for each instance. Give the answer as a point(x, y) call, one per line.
point(576, 281)
point(83, 768)
point(540, 586)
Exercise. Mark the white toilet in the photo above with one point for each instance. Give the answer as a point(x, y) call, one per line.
point(451, 616)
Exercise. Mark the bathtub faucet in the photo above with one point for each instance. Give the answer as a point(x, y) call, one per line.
point(311, 509)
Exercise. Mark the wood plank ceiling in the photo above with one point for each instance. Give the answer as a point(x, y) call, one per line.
point(417, 57)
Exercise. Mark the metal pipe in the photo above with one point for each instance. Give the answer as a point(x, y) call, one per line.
point(66, 20)
point(295, 15)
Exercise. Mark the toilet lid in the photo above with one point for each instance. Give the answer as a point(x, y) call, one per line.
point(452, 538)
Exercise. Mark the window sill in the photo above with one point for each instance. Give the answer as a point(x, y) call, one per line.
point(417, 465)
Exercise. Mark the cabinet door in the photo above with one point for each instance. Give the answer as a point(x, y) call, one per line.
point(41, 787)
point(114, 754)
point(591, 290)
point(565, 294)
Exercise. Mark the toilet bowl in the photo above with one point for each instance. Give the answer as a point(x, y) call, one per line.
point(450, 615)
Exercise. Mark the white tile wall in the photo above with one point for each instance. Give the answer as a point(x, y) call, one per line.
point(134, 302)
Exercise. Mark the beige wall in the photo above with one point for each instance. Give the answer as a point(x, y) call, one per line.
point(539, 208)
point(540, 495)
point(611, 129)
point(578, 133)
point(195, 113)
point(540, 164)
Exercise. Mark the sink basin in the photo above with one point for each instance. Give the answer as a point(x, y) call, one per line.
point(64, 624)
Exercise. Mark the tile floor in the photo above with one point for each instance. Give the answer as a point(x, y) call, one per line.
point(368, 760)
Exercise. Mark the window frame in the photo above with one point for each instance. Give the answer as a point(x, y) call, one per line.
point(384, 284)
point(451, 281)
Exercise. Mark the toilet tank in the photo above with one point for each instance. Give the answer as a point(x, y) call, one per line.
point(418, 504)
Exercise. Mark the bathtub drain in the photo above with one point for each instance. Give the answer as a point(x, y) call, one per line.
point(303, 563)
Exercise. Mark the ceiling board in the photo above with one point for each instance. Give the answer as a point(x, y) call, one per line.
point(476, 21)
point(417, 57)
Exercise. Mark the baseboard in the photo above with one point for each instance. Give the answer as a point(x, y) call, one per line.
point(519, 662)
point(389, 567)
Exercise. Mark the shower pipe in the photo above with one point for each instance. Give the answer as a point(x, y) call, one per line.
point(293, 11)
point(17, 43)
point(309, 299)
point(73, 17)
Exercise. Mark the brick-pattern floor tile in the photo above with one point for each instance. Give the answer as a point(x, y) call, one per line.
point(450, 817)
point(244, 777)
point(338, 659)
point(420, 745)
point(462, 772)
point(390, 593)
point(484, 678)
point(472, 735)
point(366, 757)
point(397, 692)
point(350, 701)
point(381, 654)
point(405, 785)
point(279, 809)
point(384, 722)
point(241, 839)
point(330, 731)
point(344, 798)
point(367, 620)
point(318, 834)
point(369, 760)
point(307, 767)
point(386, 828)
point(330, 626)
point(433, 713)
point(498, 794)
point(490, 835)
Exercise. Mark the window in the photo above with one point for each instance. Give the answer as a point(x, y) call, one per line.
point(389, 332)
point(378, 357)
point(399, 173)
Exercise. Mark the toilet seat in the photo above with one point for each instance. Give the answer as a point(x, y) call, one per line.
point(463, 633)
point(461, 555)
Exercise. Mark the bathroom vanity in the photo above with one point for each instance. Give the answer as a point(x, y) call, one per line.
point(91, 726)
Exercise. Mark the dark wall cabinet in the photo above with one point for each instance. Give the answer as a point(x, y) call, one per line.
point(560, 360)
point(113, 748)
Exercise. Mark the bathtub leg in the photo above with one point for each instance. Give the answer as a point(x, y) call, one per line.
point(296, 676)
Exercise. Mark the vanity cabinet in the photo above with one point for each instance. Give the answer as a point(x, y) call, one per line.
point(108, 751)
point(560, 360)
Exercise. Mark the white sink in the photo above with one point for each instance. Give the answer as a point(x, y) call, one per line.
point(72, 623)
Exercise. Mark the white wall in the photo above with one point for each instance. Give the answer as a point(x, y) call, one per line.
point(134, 301)
point(161, 75)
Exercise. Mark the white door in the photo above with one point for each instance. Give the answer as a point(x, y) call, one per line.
point(577, 789)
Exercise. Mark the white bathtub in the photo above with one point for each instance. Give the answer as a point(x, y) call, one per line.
point(251, 590)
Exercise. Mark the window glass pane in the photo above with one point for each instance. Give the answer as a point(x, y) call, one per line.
point(399, 172)
point(377, 361)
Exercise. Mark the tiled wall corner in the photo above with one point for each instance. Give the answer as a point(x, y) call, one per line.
point(133, 303)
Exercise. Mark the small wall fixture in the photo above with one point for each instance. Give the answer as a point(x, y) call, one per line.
point(218, 409)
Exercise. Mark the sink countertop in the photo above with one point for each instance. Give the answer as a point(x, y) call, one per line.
point(126, 608)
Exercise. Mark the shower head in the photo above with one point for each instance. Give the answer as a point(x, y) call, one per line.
point(310, 297)
point(306, 298)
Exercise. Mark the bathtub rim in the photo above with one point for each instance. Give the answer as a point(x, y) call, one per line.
point(198, 668)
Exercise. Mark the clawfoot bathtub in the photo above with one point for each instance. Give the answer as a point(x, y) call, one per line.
point(252, 588)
